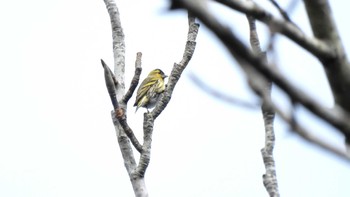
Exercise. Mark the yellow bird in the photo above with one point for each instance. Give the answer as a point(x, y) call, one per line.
point(150, 89)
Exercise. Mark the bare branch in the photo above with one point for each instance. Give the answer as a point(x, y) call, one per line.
point(135, 79)
point(309, 137)
point(119, 55)
point(295, 127)
point(322, 23)
point(178, 68)
point(302, 131)
point(270, 177)
point(253, 36)
point(220, 95)
point(149, 118)
point(313, 45)
point(281, 11)
point(338, 67)
point(111, 84)
point(124, 145)
point(119, 117)
point(128, 131)
point(118, 46)
point(336, 116)
point(145, 156)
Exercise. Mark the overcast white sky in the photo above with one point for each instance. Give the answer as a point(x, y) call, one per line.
point(57, 137)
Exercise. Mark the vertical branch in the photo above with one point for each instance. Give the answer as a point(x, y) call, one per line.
point(125, 147)
point(137, 182)
point(118, 46)
point(269, 178)
point(337, 67)
point(145, 156)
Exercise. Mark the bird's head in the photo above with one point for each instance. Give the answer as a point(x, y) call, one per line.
point(157, 72)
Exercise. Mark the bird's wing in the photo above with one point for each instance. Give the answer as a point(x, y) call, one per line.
point(145, 87)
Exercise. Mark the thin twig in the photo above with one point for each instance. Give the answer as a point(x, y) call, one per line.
point(312, 138)
point(270, 177)
point(111, 84)
point(135, 79)
point(281, 11)
point(220, 95)
point(128, 131)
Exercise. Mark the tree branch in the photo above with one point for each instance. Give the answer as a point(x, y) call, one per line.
point(338, 67)
point(116, 88)
point(313, 45)
point(111, 84)
point(128, 131)
point(178, 68)
point(149, 118)
point(119, 118)
point(299, 129)
point(281, 11)
point(145, 156)
point(125, 148)
point(269, 178)
point(337, 117)
point(220, 95)
point(312, 138)
point(118, 46)
point(135, 79)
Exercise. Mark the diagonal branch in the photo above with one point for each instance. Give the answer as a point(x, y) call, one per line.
point(312, 138)
point(178, 68)
point(149, 118)
point(336, 116)
point(304, 133)
point(220, 95)
point(281, 11)
point(128, 131)
point(111, 84)
point(135, 79)
point(313, 45)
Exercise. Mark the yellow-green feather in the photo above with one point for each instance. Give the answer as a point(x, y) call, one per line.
point(153, 84)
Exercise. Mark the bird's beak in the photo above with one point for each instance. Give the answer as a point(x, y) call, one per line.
point(165, 76)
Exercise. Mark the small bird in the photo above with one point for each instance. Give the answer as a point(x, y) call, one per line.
point(150, 89)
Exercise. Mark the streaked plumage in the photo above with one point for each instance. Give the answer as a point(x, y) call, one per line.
point(150, 89)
